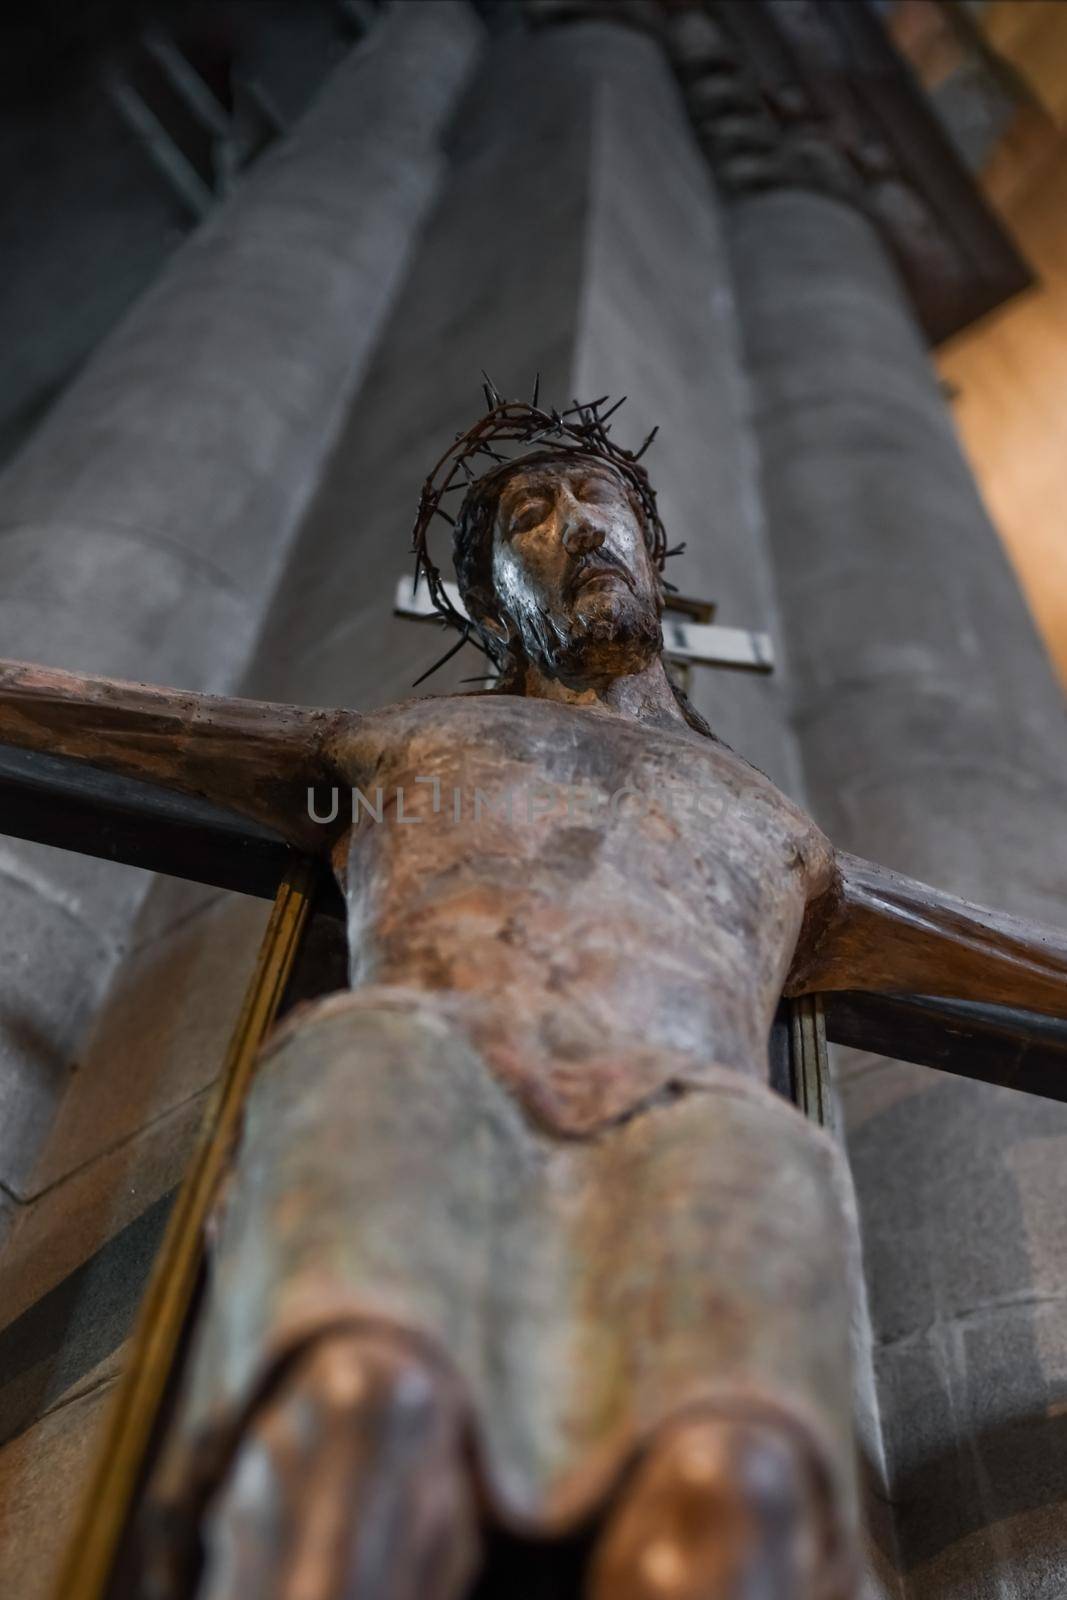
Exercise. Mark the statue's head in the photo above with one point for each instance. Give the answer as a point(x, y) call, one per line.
point(554, 567)
point(558, 549)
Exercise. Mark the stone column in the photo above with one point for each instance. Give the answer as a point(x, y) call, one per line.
point(932, 739)
point(578, 236)
point(576, 241)
point(145, 524)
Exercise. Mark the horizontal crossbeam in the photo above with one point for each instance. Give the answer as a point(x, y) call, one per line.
point(688, 642)
point(994, 1044)
point(56, 801)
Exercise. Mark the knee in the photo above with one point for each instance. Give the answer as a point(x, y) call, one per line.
point(717, 1509)
point(348, 1478)
point(371, 1377)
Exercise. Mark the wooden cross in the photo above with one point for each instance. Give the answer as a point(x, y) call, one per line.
point(61, 802)
point(690, 638)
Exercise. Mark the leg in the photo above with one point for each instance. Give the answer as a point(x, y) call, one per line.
point(718, 1509)
point(348, 1485)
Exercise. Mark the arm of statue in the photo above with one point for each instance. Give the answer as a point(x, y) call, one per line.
point(248, 756)
point(876, 930)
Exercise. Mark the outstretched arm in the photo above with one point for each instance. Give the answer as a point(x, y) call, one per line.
point(876, 930)
point(249, 756)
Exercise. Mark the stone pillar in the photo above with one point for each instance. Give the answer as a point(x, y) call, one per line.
point(571, 242)
point(145, 524)
point(932, 739)
point(578, 236)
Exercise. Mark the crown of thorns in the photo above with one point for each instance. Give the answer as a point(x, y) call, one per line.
point(580, 430)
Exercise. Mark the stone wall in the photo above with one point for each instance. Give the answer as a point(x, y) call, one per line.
point(145, 528)
point(225, 499)
point(932, 738)
point(575, 240)
point(146, 521)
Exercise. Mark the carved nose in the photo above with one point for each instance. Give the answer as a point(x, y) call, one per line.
point(581, 538)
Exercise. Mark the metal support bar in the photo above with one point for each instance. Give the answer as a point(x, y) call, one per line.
point(113, 1486)
point(810, 1066)
point(162, 151)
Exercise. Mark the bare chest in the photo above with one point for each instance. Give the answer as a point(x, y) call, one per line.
point(587, 884)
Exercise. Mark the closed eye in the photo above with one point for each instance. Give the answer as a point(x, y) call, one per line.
point(529, 515)
point(595, 492)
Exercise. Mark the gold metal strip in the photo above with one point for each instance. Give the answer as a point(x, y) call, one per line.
point(90, 1557)
point(810, 1063)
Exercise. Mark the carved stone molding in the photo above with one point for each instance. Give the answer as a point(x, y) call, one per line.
point(647, 15)
point(812, 94)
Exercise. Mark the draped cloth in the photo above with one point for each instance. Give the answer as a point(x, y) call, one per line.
point(582, 1291)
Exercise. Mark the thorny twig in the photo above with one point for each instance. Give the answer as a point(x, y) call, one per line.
point(579, 430)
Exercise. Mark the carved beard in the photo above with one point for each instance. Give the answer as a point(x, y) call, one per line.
point(602, 636)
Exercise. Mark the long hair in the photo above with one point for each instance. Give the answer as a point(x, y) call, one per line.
point(531, 435)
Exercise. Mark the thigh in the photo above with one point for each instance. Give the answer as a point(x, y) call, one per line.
point(349, 1479)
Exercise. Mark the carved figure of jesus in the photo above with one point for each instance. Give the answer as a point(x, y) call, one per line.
point(517, 1232)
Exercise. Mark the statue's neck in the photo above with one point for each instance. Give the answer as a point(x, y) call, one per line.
point(646, 696)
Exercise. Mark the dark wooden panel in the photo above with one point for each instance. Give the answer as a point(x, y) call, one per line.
point(57, 801)
point(995, 1044)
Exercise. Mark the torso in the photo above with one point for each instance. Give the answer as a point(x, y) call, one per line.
point(630, 923)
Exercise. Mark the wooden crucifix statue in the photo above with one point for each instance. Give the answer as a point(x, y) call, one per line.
point(518, 1234)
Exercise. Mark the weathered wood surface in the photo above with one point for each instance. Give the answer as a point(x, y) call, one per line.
point(249, 756)
point(877, 930)
point(68, 804)
point(71, 805)
point(539, 1139)
point(411, 1192)
point(624, 930)
point(56, 801)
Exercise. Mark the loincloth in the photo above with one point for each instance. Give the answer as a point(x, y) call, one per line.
point(583, 1292)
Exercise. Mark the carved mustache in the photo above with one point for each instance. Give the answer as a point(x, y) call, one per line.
point(598, 564)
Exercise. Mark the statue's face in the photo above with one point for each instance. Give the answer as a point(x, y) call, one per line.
point(572, 574)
